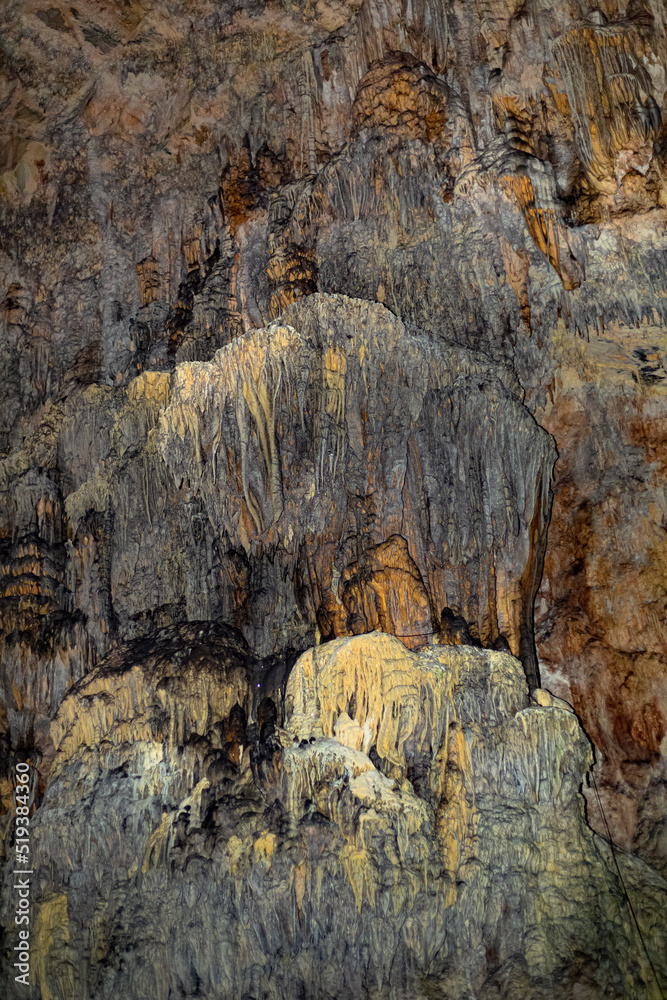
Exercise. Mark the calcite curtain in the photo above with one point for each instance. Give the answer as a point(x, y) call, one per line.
point(333, 525)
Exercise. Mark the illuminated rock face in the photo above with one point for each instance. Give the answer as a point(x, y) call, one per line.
point(321, 320)
point(390, 474)
point(450, 852)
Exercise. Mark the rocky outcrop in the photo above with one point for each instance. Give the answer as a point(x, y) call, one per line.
point(338, 474)
point(385, 867)
point(342, 428)
point(601, 610)
point(308, 314)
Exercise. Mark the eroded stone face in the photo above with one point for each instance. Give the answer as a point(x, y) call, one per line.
point(387, 868)
point(604, 648)
point(352, 449)
point(293, 298)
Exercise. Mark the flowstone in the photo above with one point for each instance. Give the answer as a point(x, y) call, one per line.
point(449, 856)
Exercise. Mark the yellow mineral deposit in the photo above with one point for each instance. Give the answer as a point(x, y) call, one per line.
point(604, 75)
point(377, 682)
point(149, 280)
point(50, 944)
point(251, 372)
point(398, 696)
point(122, 708)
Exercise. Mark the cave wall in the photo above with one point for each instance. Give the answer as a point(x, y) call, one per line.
point(319, 320)
point(453, 861)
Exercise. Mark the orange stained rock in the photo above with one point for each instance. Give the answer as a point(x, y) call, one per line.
point(191, 247)
point(292, 272)
point(603, 74)
point(149, 280)
point(546, 229)
point(402, 94)
point(540, 222)
point(606, 572)
point(517, 266)
point(385, 592)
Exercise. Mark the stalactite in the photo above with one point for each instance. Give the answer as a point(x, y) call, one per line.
point(609, 93)
point(308, 94)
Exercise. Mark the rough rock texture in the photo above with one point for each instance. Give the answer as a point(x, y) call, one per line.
point(602, 602)
point(321, 868)
point(344, 444)
point(301, 302)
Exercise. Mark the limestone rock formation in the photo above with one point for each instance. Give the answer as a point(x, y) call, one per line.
point(322, 320)
point(342, 428)
point(386, 869)
point(604, 611)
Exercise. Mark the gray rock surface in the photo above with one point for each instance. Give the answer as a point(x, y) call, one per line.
point(301, 302)
point(452, 858)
